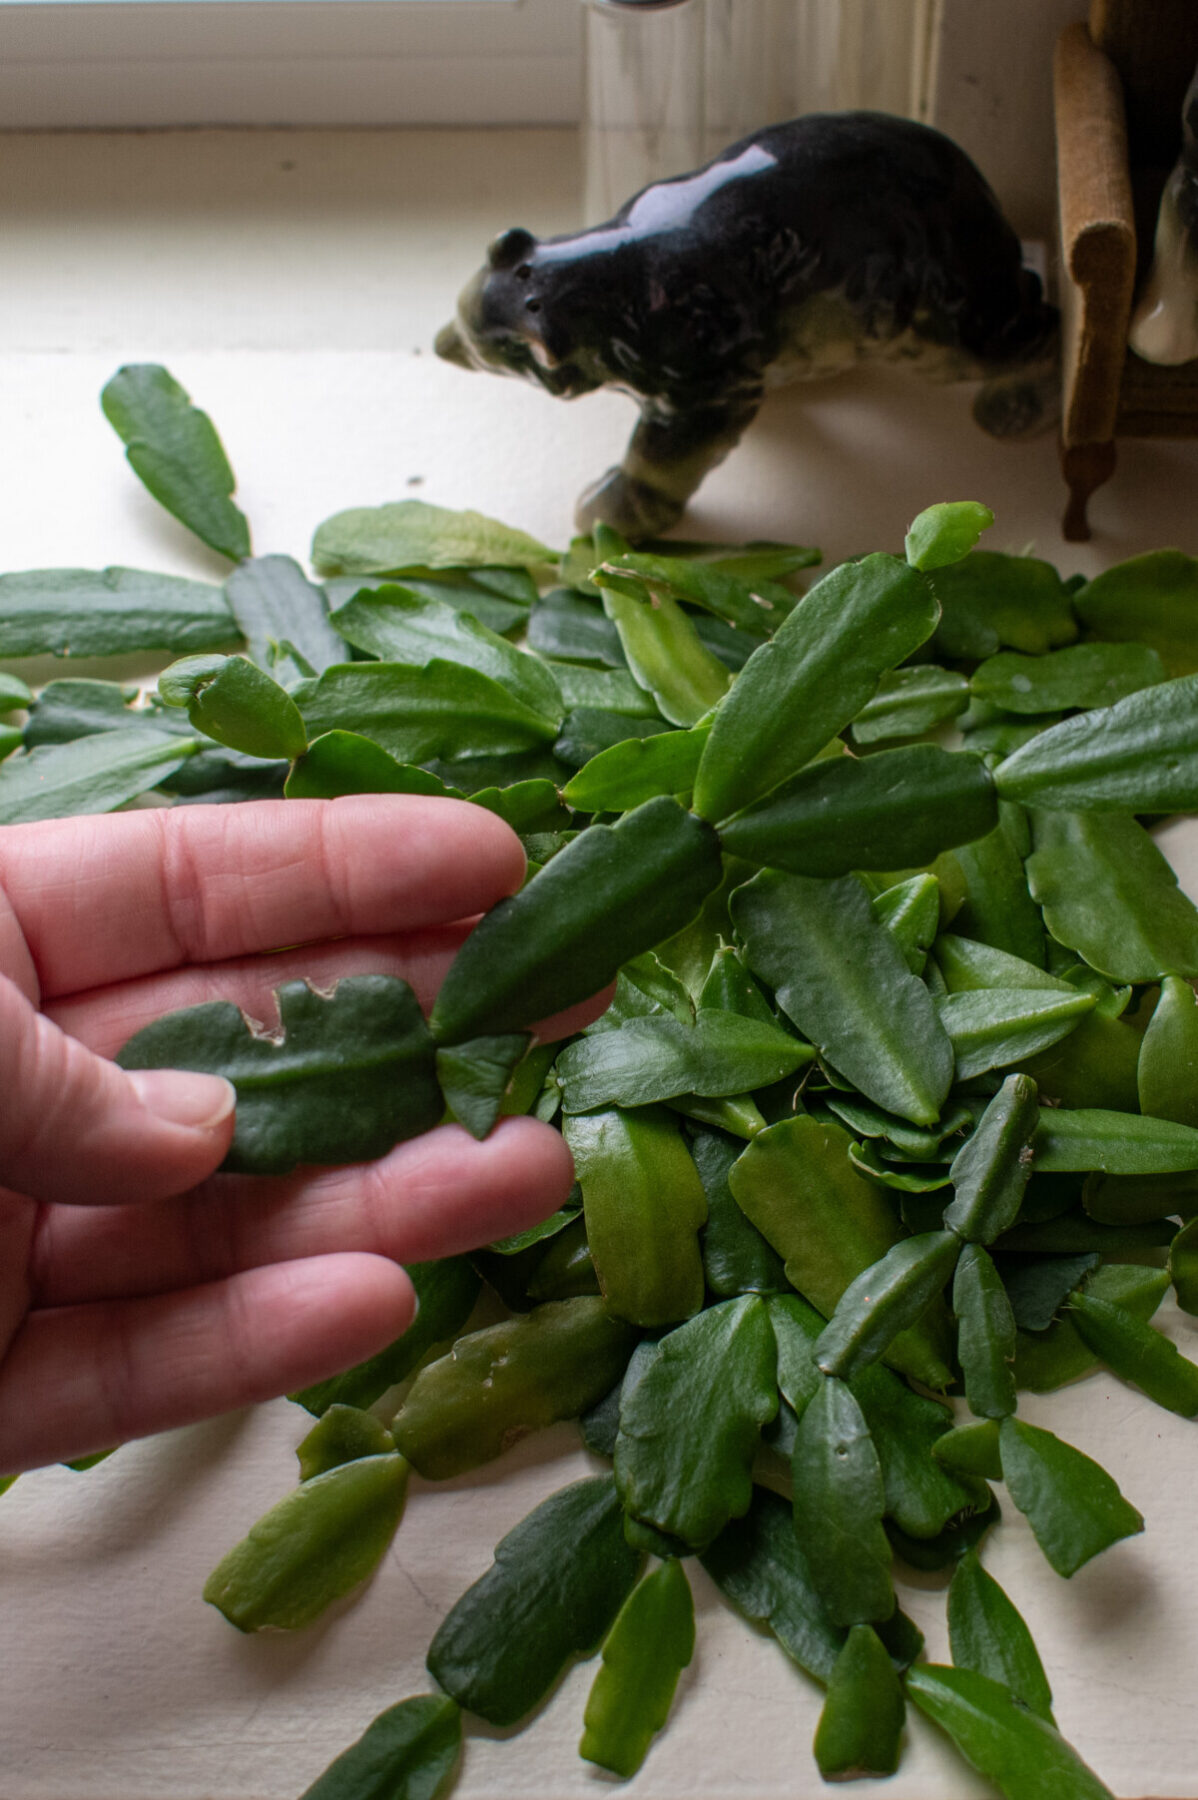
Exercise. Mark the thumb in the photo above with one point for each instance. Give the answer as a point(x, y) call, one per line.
point(78, 1130)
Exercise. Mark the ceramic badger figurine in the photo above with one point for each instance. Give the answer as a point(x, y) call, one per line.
point(792, 255)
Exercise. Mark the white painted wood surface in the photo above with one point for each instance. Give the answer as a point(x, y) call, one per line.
point(120, 1684)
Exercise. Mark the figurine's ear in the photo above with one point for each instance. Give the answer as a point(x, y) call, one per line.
point(510, 248)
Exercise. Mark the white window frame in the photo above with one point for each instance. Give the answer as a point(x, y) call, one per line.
point(95, 64)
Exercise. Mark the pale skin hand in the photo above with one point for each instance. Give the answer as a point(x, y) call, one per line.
point(138, 1289)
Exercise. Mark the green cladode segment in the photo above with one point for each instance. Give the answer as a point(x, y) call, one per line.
point(898, 1075)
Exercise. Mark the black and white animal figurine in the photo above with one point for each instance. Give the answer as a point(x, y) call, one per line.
point(793, 255)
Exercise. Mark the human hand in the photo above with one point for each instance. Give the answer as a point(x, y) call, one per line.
point(138, 1289)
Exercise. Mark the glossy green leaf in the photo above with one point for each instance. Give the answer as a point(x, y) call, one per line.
point(736, 1258)
point(612, 893)
point(914, 1140)
point(813, 677)
point(232, 700)
point(885, 1299)
point(445, 1293)
point(797, 1186)
point(438, 710)
point(634, 771)
point(274, 604)
point(990, 1028)
point(1046, 1360)
point(1140, 755)
point(967, 964)
point(666, 656)
point(1108, 893)
point(1082, 675)
point(909, 702)
point(758, 1564)
point(658, 1058)
point(498, 1384)
point(1117, 1143)
point(1072, 1505)
point(556, 1584)
point(498, 598)
point(689, 1426)
point(410, 1752)
point(946, 532)
point(91, 775)
point(475, 1076)
point(14, 692)
point(910, 911)
point(644, 1205)
point(342, 1434)
point(609, 692)
point(110, 612)
point(317, 1544)
point(73, 708)
point(839, 1500)
point(921, 1496)
point(971, 1449)
point(411, 534)
point(1167, 1073)
point(997, 908)
point(567, 626)
point(862, 1719)
point(342, 762)
point(962, 1534)
point(990, 601)
point(399, 626)
point(985, 1336)
point(839, 975)
point(1183, 1266)
point(1026, 1758)
point(1137, 1352)
point(348, 1074)
point(1151, 599)
point(991, 1170)
point(174, 450)
point(730, 593)
point(646, 1650)
point(891, 810)
point(1138, 1199)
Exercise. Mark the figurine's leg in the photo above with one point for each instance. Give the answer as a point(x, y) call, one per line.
point(1086, 467)
point(667, 457)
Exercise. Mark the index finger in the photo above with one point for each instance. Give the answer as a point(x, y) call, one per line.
point(103, 899)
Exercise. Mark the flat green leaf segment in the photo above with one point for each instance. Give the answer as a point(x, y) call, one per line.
point(410, 1752)
point(313, 1547)
point(557, 1582)
point(690, 1421)
point(667, 657)
point(1021, 1754)
point(347, 1076)
point(839, 1501)
point(644, 1204)
point(280, 612)
point(498, 1384)
point(944, 533)
point(1108, 893)
point(1140, 755)
point(110, 612)
point(840, 976)
point(92, 775)
point(1072, 1505)
point(173, 448)
point(409, 535)
point(233, 701)
point(895, 810)
point(862, 1721)
point(651, 1642)
point(988, 1635)
point(659, 1058)
point(438, 709)
point(817, 672)
point(613, 892)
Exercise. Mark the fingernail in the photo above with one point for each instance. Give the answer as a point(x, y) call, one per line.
point(183, 1097)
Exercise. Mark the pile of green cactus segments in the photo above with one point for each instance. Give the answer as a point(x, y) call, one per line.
point(892, 1119)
